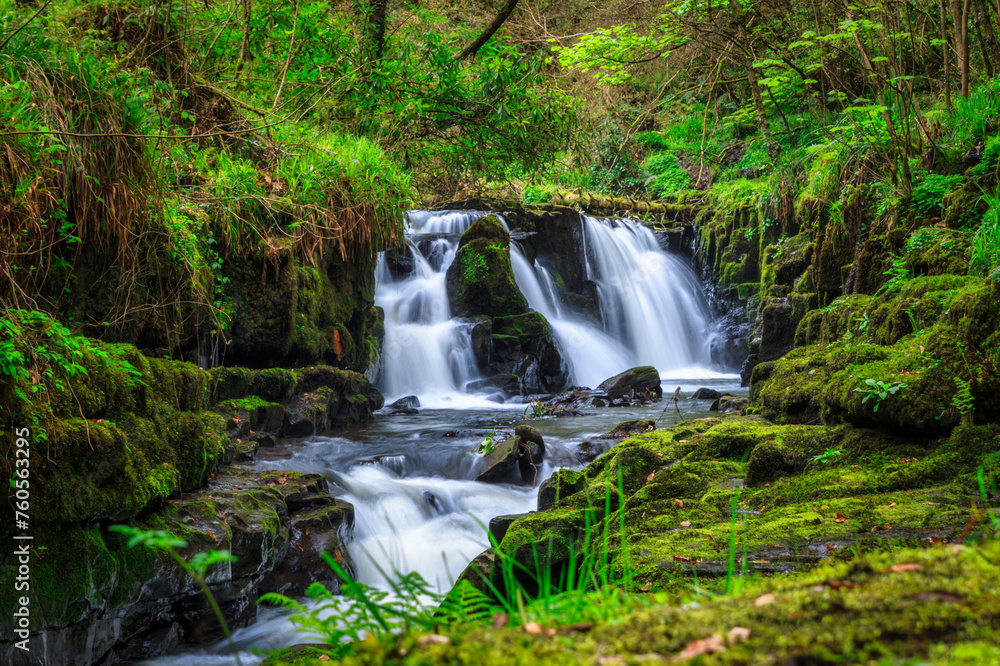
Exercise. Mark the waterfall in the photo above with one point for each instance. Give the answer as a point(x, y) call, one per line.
point(591, 354)
point(651, 301)
point(425, 352)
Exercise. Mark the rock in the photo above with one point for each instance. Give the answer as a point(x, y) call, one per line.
point(314, 530)
point(508, 383)
point(729, 404)
point(480, 281)
point(562, 484)
point(409, 402)
point(499, 525)
point(245, 451)
point(530, 453)
point(587, 452)
point(496, 465)
point(263, 439)
point(707, 394)
point(481, 334)
point(626, 429)
point(539, 365)
point(639, 384)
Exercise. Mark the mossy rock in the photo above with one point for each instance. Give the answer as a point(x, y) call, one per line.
point(938, 251)
point(481, 280)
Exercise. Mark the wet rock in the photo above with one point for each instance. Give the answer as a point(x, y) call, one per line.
point(530, 453)
point(510, 384)
point(587, 452)
point(409, 402)
point(534, 358)
point(245, 451)
point(572, 401)
point(626, 429)
point(640, 384)
point(562, 484)
point(499, 524)
point(497, 464)
point(399, 261)
point(314, 530)
point(729, 404)
point(263, 439)
point(707, 394)
point(482, 333)
point(480, 280)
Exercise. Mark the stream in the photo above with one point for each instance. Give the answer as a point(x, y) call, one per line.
point(410, 476)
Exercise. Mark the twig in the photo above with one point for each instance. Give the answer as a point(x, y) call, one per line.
point(288, 59)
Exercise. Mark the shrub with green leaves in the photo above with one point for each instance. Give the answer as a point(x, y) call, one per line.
point(929, 191)
point(667, 178)
point(985, 258)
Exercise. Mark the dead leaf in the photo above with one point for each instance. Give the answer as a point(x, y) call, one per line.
point(650, 477)
point(738, 635)
point(685, 523)
point(760, 561)
point(935, 541)
point(610, 660)
point(324, 657)
point(710, 645)
point(579, 628)
point(841, 517)
point(500, 620)
point(764, 600)
point(532, 628)
point(433, 639)
point(892, 505)
point(896, 568)
point(837, 584)
point(679, 503)
point(681, 558)
point(831, 547)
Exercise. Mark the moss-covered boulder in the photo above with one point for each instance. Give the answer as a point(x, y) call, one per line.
point(481, 280)
point(919, 359)
point(523, 345)
point(641, 384)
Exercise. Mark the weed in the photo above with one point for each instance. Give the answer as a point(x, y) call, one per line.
point(827, 455)
point(878, 391)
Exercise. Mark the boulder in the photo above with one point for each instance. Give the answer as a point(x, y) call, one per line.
point(480, 281)
point(408, 402)
point(499, 524)
point(562, 484)
point(481, 334)
point(707, 394)
point(626, 429)
point(640, 384)
point(508, 383)
point(728, 403)
point(497, 463)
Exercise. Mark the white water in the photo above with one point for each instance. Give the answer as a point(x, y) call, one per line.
point(651, 301)
point(425, 352)
point(591, 354)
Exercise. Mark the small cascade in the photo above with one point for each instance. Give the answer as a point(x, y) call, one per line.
point(651, 301)
point(425, 352)
point(592, 355)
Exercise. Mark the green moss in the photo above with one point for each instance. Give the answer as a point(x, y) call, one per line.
point(481, 280)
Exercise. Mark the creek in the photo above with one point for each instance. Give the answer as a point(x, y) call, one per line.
point(410, 476)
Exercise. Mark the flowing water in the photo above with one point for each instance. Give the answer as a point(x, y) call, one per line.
point(410, 477)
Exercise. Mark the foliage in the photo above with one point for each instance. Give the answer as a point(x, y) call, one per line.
point(929, 191)
point(827, 455)
point(488, 444)
point(667, 178)
point(878, 391)
point(985, 258)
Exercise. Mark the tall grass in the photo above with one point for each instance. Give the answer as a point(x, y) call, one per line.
point(985, 257)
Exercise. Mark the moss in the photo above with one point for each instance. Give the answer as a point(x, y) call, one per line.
point(937, 251)
point(481, 279)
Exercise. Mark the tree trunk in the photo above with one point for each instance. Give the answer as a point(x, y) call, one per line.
point(376, 27)
point(960, 16)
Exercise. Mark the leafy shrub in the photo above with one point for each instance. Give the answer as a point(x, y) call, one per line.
point(668, 177)
point(930, 190)
point(985, 258)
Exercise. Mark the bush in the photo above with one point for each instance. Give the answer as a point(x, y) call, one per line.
point(930, 190)
point(668, 178)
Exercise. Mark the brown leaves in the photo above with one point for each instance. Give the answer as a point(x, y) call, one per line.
point(681, 558)
point(536, 629)
point(710, 645)
point(896, 568)
point(685, 523)
point(679, 503)
point(837, 584)
point(841, 517)
point(764, 600)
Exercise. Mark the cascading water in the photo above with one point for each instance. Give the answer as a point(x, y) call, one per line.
point(425, 352)
point(592, 355)
point(651, 301)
